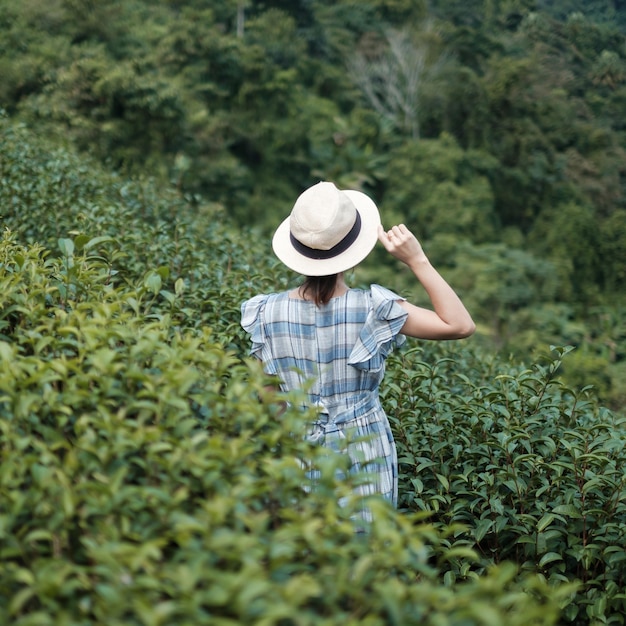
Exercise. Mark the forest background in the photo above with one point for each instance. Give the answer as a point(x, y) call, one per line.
point(147, 151)
point(494, 128)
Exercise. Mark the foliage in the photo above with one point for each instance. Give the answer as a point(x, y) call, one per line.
point(531, 468)
point(443, 189)
point(175, 253)
point(147, 479)
point(146, 476)
point(469, 119)
point(392, 75)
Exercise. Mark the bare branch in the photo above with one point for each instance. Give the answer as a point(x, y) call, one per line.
point(392, 75)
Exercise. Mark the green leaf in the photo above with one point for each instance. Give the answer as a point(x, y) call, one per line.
point(444, 481)
point(164, 272)
point(549, 557)
point(482, 528)
point(569, 510)
point(153, 283)
point(80, 241)
point(66, 246)
point(545, 521)
point(96, 241)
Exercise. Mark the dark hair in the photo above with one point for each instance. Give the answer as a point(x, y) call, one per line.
point(321, 288)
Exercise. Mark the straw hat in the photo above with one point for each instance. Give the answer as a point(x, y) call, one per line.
point(329, 231)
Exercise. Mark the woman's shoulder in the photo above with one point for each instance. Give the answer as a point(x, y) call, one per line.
point(380, 293)
point(376, 295)
point(385, 303)
point(262, 298)
point(252, 309)
point(381, 330)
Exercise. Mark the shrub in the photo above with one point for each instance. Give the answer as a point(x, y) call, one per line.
point(178, 254)
point(532, 469)
point(147, 478)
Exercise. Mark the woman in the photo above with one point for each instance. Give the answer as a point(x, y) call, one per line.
point(332, 341)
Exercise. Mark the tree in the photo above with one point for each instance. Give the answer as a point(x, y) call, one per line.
point(609, 70)
point(440, 188)
point(392, 71)
point(498, 282)
point(569, 235)
point(613, 247)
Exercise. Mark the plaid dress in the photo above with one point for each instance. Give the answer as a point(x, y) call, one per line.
point(337, 352)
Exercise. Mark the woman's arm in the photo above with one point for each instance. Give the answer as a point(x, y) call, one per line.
point(450, 319)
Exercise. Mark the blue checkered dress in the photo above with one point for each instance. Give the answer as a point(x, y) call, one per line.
point(337, 352)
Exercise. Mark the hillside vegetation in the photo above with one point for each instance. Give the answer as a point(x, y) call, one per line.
point(493, 127)
point(147, 478)
point(147, 475)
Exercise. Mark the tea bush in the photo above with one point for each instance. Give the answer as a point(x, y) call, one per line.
point(532, 469)
point(147, 479)
point(178, 253)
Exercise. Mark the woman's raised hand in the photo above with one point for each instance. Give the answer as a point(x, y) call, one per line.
point(401, 243)
point(450, 319)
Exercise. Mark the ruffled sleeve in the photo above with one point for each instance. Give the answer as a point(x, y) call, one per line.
point(380, 333)
point(252, 322)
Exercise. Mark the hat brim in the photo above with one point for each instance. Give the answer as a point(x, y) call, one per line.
point(363, 245)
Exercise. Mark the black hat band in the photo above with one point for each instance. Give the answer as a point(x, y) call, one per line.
point(336, 250)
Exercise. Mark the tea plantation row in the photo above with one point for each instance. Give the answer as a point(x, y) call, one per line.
point(148, 477)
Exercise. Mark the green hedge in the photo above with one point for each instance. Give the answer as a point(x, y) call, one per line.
point(176, 252)
point(534, 470)
point(146, 479)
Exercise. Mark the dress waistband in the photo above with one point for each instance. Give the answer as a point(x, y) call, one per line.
point(349, 408)
point(334, 417)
